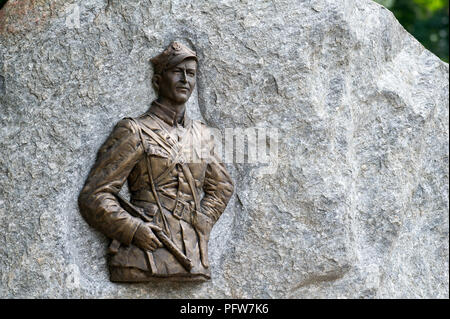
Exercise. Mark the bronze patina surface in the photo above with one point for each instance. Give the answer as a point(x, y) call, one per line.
point(178, 186)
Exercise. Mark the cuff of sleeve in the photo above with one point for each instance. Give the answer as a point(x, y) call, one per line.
point(205, 212)
point(128, 236)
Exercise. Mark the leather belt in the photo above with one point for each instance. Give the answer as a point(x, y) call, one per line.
point(180, 209)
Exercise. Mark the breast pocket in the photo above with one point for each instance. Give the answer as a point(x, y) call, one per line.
point(159, 158)
point(156, 150)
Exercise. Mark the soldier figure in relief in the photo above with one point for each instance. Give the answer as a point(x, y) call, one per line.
point(178, 190)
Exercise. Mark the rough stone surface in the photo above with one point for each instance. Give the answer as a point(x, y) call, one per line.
point(358, 206)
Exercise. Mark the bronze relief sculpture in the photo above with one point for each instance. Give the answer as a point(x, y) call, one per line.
point(176, 192)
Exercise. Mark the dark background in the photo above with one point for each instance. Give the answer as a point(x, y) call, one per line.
point(427, 20)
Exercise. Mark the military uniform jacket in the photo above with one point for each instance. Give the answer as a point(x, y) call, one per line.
point(122, 158)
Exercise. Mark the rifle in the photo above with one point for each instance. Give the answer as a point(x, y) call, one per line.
point(170, 246)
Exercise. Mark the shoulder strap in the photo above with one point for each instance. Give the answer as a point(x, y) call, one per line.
point(150, 177)
point(164, 145)
point(157, 139)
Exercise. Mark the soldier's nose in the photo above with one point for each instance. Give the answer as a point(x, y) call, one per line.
point(183, 76)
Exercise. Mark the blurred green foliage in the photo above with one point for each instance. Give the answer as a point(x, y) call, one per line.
point(426, 20)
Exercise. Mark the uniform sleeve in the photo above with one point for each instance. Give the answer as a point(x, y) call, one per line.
point(218, 188)
point(115, 160)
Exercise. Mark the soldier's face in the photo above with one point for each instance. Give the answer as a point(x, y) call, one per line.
point(177, 83)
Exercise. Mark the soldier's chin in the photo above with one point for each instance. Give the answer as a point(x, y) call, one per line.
point(182, 97)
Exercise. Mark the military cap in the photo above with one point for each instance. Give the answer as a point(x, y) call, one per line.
point(174, 54)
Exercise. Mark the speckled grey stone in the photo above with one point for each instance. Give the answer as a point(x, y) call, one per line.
point(358, 205)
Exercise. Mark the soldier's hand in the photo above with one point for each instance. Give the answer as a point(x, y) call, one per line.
point(145, 239)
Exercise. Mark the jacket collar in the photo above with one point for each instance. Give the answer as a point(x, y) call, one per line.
point(166, 114)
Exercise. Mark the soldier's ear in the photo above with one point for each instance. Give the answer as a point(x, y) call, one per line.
point(155, 81)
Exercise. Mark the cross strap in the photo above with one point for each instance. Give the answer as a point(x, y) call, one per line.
point(157, 139)
point(171, 150)
point(150, 177)
point(186, 170)
point(164, 145)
